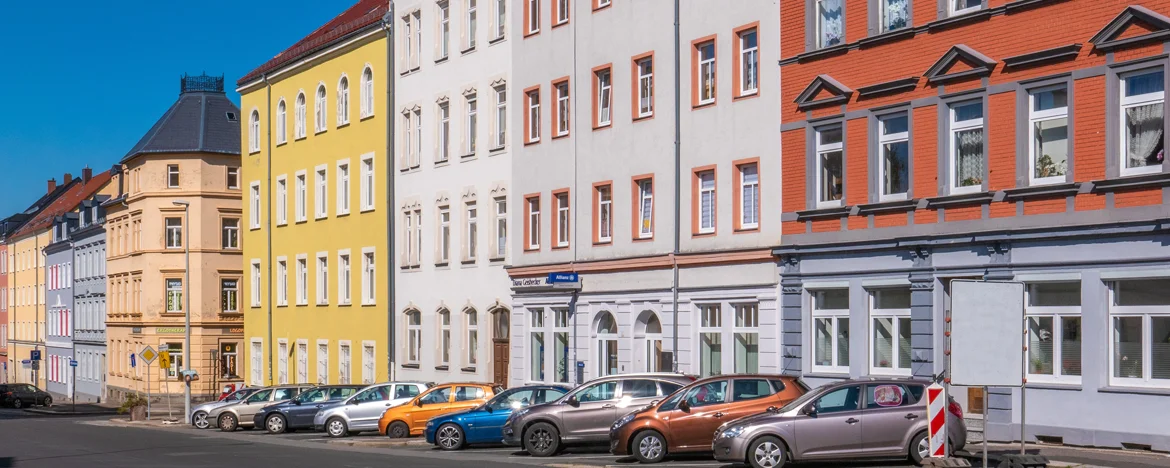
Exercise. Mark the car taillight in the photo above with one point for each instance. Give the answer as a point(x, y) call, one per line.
point(7, 393)
point(955, 409)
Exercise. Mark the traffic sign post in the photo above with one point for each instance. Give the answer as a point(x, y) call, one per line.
point(73, 386)
point(936, 419)
point(148, 356)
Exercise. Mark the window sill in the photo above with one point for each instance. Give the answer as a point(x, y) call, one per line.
point(562, 23)
point(496, 40)
point(235, 313)
point(961, 199)
point(442, 59)
point(367, 209)
point(253, 152)
point(959, 19)
point(320, 217)
point(369, 304)
point(1135, 390)
point(561, 247)
point(702, 105)
point(342, 124)
point(495, 150)
point(603, 243)
point(441, 264)
point(888, 36)
point(410, 366)
point(639, 118)
point(365, 117)
point(302, 137)
point(465, 157)
point(557, 137)
point(442, 368)
point(528, 34)
point(602, 127)
point(442, 163)
point(831, 212)
point(344, 304)
point(468, 261)
point(603, 7)
point(703, 234)
point(341, 214)
point(532, 249)
point(467, 50)
point(282, 305)
point(468, 369)
point(281, 143)
point(886, 206)
point(318, 132)
point(742, 97)
point(820, 53)
point(496, 259)
point(1038, 191)
point(1159, 179)
point(306, 304)
point(1053, 386)
point(532, 142)
point(746, 230)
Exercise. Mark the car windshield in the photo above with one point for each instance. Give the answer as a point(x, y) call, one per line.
point(802, 400)
point(239, 395)
point(371, 394)
point(314, 395)
point(260, 396)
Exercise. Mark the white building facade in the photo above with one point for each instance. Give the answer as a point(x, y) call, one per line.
point(594, 189)
point(453, 150)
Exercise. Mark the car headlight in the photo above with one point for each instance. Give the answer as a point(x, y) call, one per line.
point(732, 432)
point(623, 421)
point(430, 423)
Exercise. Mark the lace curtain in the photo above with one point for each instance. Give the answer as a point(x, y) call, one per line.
point(969, 158)
point(1144, 124)
point(897, 14)
point(832, 28)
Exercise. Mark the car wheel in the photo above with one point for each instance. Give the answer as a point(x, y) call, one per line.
point(449, 437)
point(336, 427)
point(48, 401)
point(16, 403)
point(228, 423)
point(275, 424)
point(398, 430)
point(649, 447)
point(919, 448)
point(542, 440)
point(199, 420)
point(766, 452)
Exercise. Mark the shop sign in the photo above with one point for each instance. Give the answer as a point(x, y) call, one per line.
point(170, 330)
point(235, 330)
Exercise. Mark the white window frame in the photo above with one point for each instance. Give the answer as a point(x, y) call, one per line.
point(563, 233)
point(533, 98)
point(1136, 101)
point(604, 83)
point(471, 230)
point(444, 133)
point(281, 281)
point(823, 149)
point(343, 187)
point(444, 332)
point(281, 122)
point(369, 362)
point(645, 208)
point(748, 328)
point(174, 234)
point(645, 87)
point(706, 70)
point(835, 316)
point(367, 106)
point(344, 362)
point(715, 311)
point(282, 361)
point(532, 237)
point(254, 204)
point(173, 179)
point(962, 11)
point(413, 336)
point(471, 124)
point(444, 44)
point(254, 131)
point(322, 362)
point(322, 278)
point(302, 361)
point(896, 316)
point(883, 140)
point(301, 196)
point(705, 191)
point(257, 366)
point(533, 25)
point(369, 178)
point(344, 278)
point(255, 283)
point(1146, 313)
point(501, 15)
point(408, 238)
point(562, 90)
point(281, 200)
point(749, 63)
point(500, 227)
point(604, 213)
point(472, 30)
point(501, 135)
point(562, 11)
point(952, 155)
point(1056, 314)
point(321, 110)
point(343, 100)
point(1038, 116)
point(536, 327)
point(321, 192)
point(749, 209)
point(302, 279)
point(369, 276)
point(444, 232)
point(471, 326)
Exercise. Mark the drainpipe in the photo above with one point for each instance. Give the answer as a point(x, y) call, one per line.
point(268, 219)
point(391, 345)
point(677, 188)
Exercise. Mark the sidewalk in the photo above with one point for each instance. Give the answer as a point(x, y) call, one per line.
point(68, 409)
point(1065, 456)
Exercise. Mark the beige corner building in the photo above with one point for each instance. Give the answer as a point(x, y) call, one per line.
point(192, 155)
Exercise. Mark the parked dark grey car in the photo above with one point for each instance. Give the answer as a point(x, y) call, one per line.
point(22, 395)
point(585, 415)
point(851, 419)
point(298, 412)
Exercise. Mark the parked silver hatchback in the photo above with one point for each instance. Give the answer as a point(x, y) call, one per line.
point(851, 419)
point(584, 415)
point(360, 412)
point(240, 414)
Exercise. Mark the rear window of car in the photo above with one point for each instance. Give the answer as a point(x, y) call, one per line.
point(669, 387)
point(468, 393)
point(890, 395)
point(637, 388)
point(285, 393)
point(406, 391)
point(339, 393)
point(547, 395)
point(261, 395)
point(710, 393)
point(750, 389)
point(779, 385)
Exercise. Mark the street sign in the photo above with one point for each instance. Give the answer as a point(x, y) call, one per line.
point(72, 363)
point(148, 355)
point(133, 361)
point(164, 360)
point(163, 347)
point(936, 404)
point(36, 365)
point(26, 362)
point(554, 278)
point(36, 355)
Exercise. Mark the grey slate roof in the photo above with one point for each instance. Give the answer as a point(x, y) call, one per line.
point(196, 123)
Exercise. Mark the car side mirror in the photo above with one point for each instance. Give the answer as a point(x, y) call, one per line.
point(488, 408)
point(572, 401)
point(809, 410)
point(418, 403)
point(297, 402)
point(654, 403)
point(683, 405)
point(772, 409)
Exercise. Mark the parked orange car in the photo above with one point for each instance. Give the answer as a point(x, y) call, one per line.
point(685, 420)
point(410, 419)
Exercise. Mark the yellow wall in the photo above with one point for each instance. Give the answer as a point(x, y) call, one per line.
point(26, 310)
point(355, 323)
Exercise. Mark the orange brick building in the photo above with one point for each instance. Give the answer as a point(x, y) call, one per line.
point(931, 140)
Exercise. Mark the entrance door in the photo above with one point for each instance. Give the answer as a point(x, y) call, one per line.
point(501, 348)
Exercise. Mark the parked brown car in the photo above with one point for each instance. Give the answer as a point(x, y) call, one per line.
point(585, 415)
point(684, 421)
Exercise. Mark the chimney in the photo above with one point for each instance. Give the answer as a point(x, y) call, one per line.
point(52, 185)
point(67, 179)
point(117, 169)
point(86, 174)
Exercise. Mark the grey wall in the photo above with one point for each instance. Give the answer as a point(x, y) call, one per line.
point(89, 290)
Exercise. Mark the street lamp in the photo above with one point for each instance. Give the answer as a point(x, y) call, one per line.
point(186, 307)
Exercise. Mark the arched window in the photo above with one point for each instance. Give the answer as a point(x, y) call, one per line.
point(413, 336)
point(320, 108)
point(444, 337)
point(300, 117)
point(367, 91)
point(254, 131)
point(472, 330)
point(281, 122)
point(343, 101)
point(607, 349)
point(648, 334)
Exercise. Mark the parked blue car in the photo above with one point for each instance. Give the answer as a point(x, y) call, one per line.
point(484, 425)
point(298, 412)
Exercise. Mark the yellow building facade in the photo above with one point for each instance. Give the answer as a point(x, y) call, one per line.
point(314, 168)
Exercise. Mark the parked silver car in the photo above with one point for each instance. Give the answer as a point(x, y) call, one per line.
point(360, 412)
point(199, 413)
point(240, 414)
point(847, 420)
point(586, 414)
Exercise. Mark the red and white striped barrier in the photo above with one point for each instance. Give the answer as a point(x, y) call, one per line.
point(936, 411)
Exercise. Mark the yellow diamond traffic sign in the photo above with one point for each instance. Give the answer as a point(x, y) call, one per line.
point(148, 355)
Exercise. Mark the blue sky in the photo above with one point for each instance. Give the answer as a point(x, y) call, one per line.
point(84, 80)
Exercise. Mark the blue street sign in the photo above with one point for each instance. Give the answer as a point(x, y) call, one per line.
point(563, 278)
point(72, 363)
point(133, 360)
point(580, 363)
point(36, 355)
point(26, 362)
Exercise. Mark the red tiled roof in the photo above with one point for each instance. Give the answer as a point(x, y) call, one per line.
point(357, 17)
point(64, 204)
